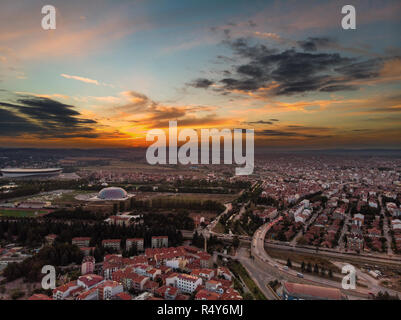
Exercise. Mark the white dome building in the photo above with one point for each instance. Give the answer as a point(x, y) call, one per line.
point(112, 193)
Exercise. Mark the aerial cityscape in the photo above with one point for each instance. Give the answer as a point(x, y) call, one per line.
point(101, 198)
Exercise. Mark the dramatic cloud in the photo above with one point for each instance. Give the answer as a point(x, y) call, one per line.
point(291, 72)
point(201, 83)
point(145, 112)
point(137, 101)
point(11, 124)
point(259, 122)
point(296, 131)
point(312, 44)
point(279, 133)
point(43, 117)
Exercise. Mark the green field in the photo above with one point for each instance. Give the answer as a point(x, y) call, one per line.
point(222, 198)
point(21, 213)
point(70, 196)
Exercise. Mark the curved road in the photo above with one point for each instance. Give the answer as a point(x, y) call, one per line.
point(259, 252)
point(263, 268)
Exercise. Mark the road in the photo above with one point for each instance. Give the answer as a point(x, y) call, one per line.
point(260, 254)
point(255, 269)
point(386, 230)
point(262, 268)
point(257, 272)
point(362, 258)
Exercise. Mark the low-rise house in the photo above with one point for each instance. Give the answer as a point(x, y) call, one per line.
point(112, 244)
point(62, 292)
point(136, 243)
point(160, 242)
point(167, 292)
point(89, 280)
point(204, 294)
point(81, 241)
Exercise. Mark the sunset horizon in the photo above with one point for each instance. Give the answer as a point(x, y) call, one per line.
point(289, 72)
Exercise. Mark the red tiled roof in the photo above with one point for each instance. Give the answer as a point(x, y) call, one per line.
point(90, 279)
point(65, 287)
point(313, 291)
point(206, 295)
point(124, 296)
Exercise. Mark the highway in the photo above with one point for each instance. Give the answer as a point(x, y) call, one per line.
point(264, 268)
point(255, 269)
point(258, 251)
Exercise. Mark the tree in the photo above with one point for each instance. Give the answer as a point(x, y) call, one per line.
point(330, 273)
point(303, 266)
point(235, 242)
point(17, 294)
point(309, 267)
point(247, 296)
point(316, 268)
point(289, 264)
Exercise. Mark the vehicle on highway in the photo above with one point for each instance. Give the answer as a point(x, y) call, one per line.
point(300, 275)
point(285, 268)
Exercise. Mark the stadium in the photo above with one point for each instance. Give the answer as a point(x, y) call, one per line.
point(21, 173)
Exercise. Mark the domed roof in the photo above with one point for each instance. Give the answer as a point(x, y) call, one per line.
point(112, 193)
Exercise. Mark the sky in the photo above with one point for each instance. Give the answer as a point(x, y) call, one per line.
point(112, 70)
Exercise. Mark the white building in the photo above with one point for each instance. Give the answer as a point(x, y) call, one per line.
point(184, 282)
point(108, 289)
point(81, 241)
point(112, 243)
point(160, 242)
point(88, 265)
point(135, 242)
point(176, 263)
point(62, 292)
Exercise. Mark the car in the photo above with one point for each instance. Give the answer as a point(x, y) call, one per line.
point(285, 268)
point(300, 275)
